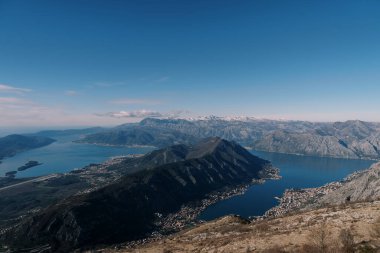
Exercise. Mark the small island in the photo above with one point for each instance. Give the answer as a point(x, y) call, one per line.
point(11, 174)
point(28, 165)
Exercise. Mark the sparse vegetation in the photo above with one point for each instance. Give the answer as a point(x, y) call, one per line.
point(276, 249)
point(376, 228)
point(319, 238)
point(347, 240)
point(366, 249)
point(262, 227)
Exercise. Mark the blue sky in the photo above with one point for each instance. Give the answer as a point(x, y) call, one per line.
point(80, 63)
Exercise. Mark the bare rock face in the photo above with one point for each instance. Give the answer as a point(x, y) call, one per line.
point(305, 144)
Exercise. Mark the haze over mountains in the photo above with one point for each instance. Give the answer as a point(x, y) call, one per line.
point(349, 139)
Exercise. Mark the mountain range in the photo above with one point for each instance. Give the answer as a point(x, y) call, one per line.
point(350, 139)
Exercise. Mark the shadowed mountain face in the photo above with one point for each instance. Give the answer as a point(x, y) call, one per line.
point(127, 209)
point(350, 139)
point(12, 144)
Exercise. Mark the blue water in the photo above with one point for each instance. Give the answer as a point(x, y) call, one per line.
point(296, 172)
point(63, 156)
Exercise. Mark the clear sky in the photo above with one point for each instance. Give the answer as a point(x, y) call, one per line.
point(77, 63)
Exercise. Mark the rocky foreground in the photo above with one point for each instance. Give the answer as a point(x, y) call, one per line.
point(353, 227)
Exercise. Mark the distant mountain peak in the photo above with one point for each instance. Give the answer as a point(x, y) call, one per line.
point(200, 118)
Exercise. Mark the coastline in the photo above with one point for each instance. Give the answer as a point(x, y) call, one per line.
point(294, 200)
point(246, 147)
point(187, 216)
point(119, 146)
point(317, 156)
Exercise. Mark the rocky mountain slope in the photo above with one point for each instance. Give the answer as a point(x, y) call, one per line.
point(361, 186)
point(133, 206)
point(350, 139)
point(12, 144)
point(307, 144)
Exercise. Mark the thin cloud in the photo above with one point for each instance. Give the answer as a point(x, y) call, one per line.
point(107, 84)
point(178, 113)
point(13, 101)
point(132, 101)
point(11, 89)
point(162, 79)
point(71, 93)
point(133, 114)
point(143, 114)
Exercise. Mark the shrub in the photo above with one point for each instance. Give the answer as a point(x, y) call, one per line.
point(347, 240)
point(262, 227)
point(319, 239)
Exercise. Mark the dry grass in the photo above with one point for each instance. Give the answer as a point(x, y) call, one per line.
point(262, 227)
point(276, 249)
point(347, 241)
point(376, 228)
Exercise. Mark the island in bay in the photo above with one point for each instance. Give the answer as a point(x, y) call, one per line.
point(28, 165)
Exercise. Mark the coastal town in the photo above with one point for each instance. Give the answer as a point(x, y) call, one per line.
point(295, 199)
point(188, 215)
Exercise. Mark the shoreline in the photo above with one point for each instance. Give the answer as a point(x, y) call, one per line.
point(246, 147)
point(316, 156)
point(187, 216)
point(298, 199)
point(29, 165)
point(114, 145)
